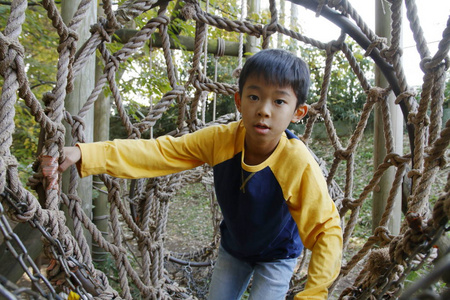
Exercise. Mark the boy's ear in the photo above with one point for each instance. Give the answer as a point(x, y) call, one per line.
point(299, 113)
point(237, 101)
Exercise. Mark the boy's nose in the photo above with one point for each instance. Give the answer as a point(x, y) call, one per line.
point(264, 109)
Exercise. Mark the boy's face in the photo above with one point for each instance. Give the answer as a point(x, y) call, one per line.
point(267, 111)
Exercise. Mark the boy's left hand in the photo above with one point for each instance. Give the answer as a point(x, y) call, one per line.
point(72, 156)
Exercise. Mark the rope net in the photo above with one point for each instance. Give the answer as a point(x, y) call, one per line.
point(387, 258)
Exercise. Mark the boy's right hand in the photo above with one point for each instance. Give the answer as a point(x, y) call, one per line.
point(72, 156)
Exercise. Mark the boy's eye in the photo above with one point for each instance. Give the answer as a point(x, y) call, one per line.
point(279, 101)
point(253, 97)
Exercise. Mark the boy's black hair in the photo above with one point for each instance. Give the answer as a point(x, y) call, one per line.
point(281, 68)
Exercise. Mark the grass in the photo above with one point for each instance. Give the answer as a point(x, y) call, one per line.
point(362, 174)
point(189, 225)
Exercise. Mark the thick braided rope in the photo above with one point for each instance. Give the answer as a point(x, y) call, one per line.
point(429, 157)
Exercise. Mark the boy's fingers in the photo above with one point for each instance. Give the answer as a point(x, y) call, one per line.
point(63, 166)
point(72, 156)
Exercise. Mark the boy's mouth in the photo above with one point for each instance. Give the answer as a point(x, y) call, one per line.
point(261, 128)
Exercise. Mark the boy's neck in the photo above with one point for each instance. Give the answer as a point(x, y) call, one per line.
point(254, 155)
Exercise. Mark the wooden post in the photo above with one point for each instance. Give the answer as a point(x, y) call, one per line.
point(83, 85)
point(281, 17)
point(294, 26)
point(102, 112)
point(381, 191)
point(254, 7)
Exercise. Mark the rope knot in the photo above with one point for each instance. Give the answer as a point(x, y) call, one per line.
point(162, 20)
point(189, 10)
point(405, 95)
point(8, 53)
point(396, 251)
point(78, 126)
point(413, 119)
point(350, 203)
point(334, 3)
point(383, 233)
point(48, 98)
point(415, 221)
point(10, 44)
point(320, 5)
point(395, 159)
point(378, 42)
point(440, 162)
point(17, 47)
point(335, 45)
point(237, 72)
point(425, 64)
point(268, 30)
point(315, 108)
point(100, 28)
point(69, 41)
point(135, 133)
point(429, 64)
point(447, 63)
point(377, 93)
point(390, 53)
point(342, 154)
point(414, 173)
point(55, 134)
point(114, 61)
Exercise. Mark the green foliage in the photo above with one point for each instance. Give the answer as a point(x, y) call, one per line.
point(26, 131)
point(346, 97)
point(438, 287)
point(362, 173)
point(40, 42)
point(109, 268)
point(225, 68)
point(25, 140)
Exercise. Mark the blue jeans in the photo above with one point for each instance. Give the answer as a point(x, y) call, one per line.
point(231, 277)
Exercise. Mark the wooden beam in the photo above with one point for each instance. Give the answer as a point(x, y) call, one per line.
point(180, 42)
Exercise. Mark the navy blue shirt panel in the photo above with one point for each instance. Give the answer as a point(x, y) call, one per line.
point(257, 224)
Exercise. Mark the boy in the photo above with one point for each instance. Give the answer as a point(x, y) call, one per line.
point(272, 193)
